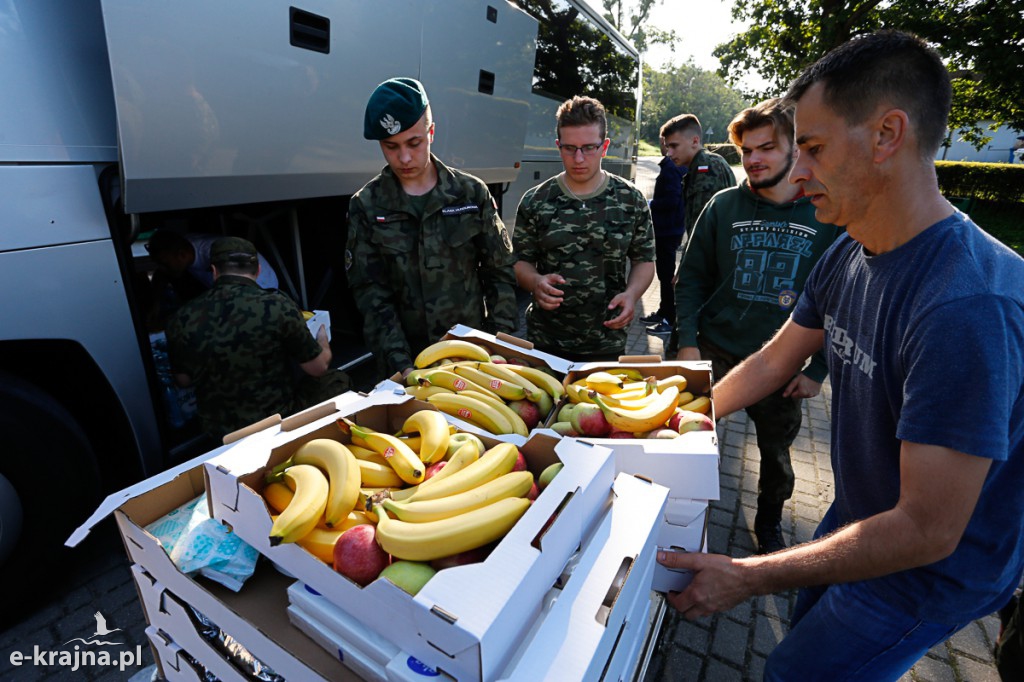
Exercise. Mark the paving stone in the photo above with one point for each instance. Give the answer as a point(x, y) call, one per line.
point(729, 641)
point(768, 632)
point(720, 672)
point(977, 671)
point(972, 641)
point(929, 669)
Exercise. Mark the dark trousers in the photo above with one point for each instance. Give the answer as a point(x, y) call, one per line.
point(777, 422)
point(665, 249)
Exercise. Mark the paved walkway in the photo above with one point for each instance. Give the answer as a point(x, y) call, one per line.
point(732, 646)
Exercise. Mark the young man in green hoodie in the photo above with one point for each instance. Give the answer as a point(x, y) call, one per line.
point(740, 276)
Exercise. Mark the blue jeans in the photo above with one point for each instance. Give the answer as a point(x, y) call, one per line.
point(844, 632)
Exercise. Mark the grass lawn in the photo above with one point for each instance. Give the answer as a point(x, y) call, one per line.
point(1004, 221)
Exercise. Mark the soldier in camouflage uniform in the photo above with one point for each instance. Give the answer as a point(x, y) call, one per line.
point(574, 235)
point(426, 248)
point(240, 344)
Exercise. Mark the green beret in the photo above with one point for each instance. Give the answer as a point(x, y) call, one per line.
point(394, 106)
point(234, 250)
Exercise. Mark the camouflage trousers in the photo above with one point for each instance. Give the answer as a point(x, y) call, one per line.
point(777, 422)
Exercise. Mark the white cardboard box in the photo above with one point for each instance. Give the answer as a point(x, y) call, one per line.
point(607, 591)
point(256, 616)
point(687, 465)
point(351, 657)
point(170, 658)
point(466, 619)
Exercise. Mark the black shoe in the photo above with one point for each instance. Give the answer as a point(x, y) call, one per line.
point(663, 328)
point(769, 539)
point(653, 318)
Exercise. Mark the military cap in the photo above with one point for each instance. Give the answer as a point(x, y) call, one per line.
point(232, 249)
point(394, 106)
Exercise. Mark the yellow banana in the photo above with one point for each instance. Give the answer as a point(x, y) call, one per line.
point(506, 390)
point(342, 471)
point(474, 411)
point(629, 403)
point(362, 453)
point(434, 434)
point(677, 380)
point(413, 377)
point(540, 378)
point(630, 373)
point(533, 392)
point(604, 383)
point(451, 348)
point(320, 541)
point(378, 474)
point(453, 382)
point(435, 539)
point(400, 456)
point(578, 393)
point(424, 392)
point(278, 496)
point(701, 404)
point(496, 462)
point(518, 425)
point(650, 417)
point(306, 507)
point(462, 458)
point(514, 484)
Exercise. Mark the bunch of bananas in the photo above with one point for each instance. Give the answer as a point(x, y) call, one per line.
point(623, 402)
point(459, 378)
point(327, 487)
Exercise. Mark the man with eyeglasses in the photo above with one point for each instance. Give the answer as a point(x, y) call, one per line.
point(426, 248)
point(574, 235)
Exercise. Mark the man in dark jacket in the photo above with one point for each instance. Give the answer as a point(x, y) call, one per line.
point(668, 214)
point(742, 273)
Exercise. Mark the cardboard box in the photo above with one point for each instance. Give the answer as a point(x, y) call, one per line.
point(466, 619)
point(256, 616)
point(171, 659)
point(347, 628)
point(687, 465)
point(351, 657)
point(603, 603)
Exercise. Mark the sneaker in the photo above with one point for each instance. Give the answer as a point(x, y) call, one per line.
point(653, 318)
point(663, 328)
point(769, 539)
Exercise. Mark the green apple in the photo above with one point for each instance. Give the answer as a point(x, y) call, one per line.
point(457, 440)
point(548, 475)
point(411, 576)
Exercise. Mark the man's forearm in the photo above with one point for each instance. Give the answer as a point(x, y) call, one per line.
point(641, 274)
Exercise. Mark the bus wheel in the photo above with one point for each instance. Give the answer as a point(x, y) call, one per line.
point(49, 484)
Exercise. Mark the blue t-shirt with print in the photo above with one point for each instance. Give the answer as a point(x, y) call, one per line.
point(925, 343)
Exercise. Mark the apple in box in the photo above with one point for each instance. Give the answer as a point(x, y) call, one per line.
point(588, 420)
point(528, 411)
point(358, 557)
point(682, 421)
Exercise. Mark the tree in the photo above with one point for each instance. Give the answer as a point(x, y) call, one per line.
point(982, 42)
point(688, 89)
point(630, 19)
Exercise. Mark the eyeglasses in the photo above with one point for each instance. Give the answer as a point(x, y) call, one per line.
point(587, 149)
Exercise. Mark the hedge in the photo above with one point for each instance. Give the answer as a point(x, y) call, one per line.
point(986, 181)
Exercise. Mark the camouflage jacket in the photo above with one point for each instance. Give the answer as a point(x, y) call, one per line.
point(240, 344)
point(588, 242)
point(708, 174)
point(414, 279)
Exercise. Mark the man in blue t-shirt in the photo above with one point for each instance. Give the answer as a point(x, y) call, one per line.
point(921, 316)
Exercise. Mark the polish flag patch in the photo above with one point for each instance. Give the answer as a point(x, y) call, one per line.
point(703, 169)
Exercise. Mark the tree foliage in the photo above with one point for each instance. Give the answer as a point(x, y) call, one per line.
point(688, 89)
point(630, 18)
point(982, 42)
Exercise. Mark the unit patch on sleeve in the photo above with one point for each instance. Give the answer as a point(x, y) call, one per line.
point(459, 210)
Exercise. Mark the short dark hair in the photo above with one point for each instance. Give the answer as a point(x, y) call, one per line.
point(775, 112)
point(884, 67)
point(682, 124)
point(167, 241)
point(581, 111)
point(233, 267)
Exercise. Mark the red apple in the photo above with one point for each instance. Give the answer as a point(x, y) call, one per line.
point(498, 359)
point(534, 492)
point(470, 556)
point(520, 464)
point(685, 420)
point(358, 557)
point(588, 420)
point(662, 433)
point(529, 412)
point(621, 434)
point(518, 361)
point(434, 468)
